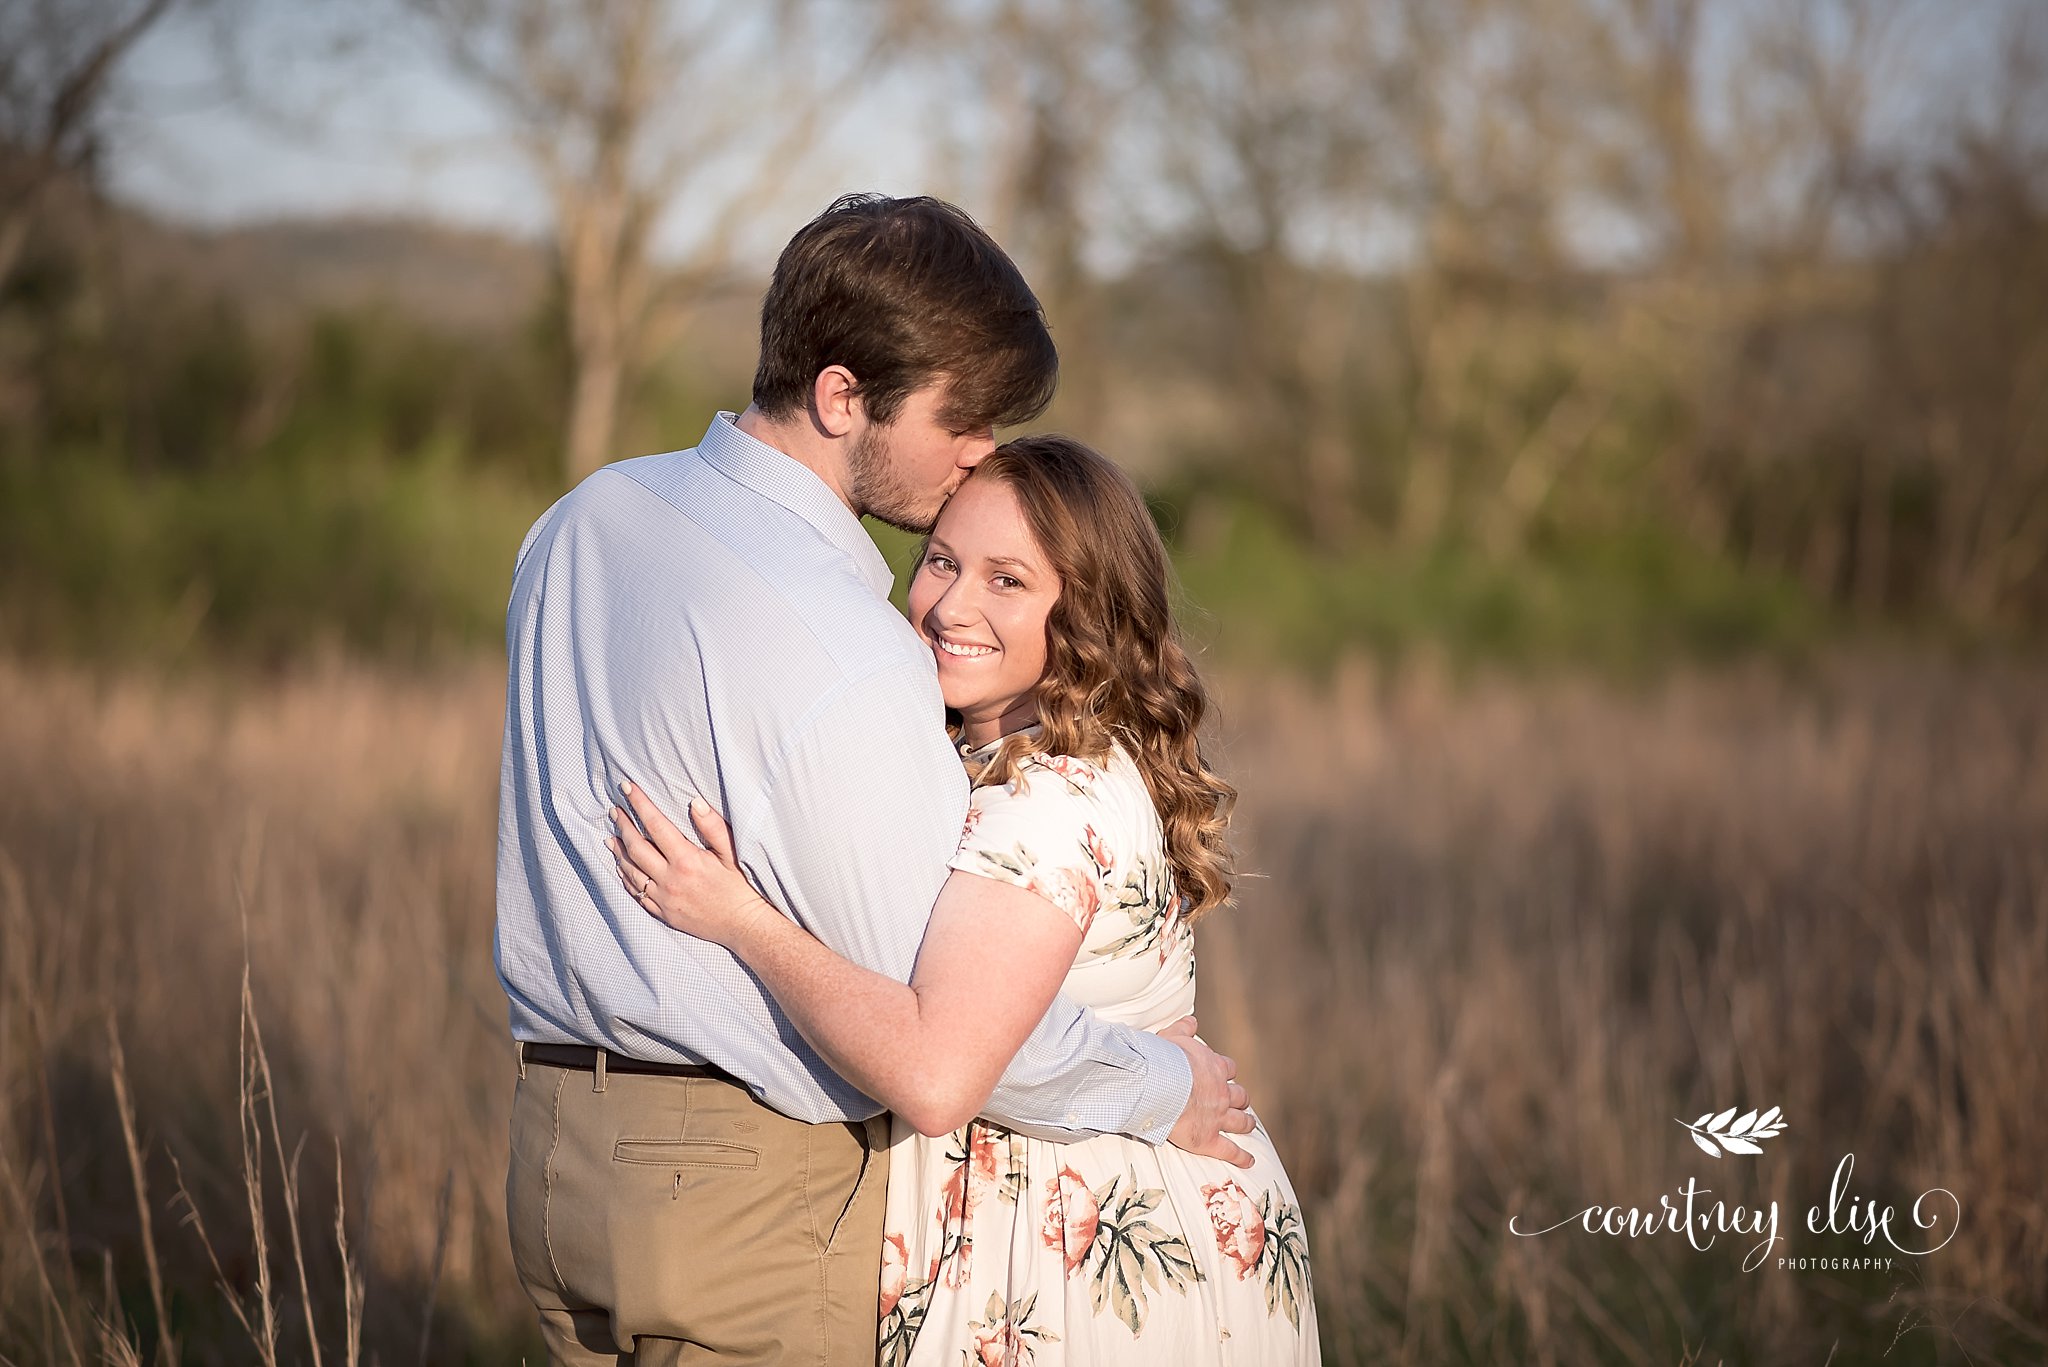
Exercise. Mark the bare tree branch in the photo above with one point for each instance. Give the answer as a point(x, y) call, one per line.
point(57, 58)
point(622, 109)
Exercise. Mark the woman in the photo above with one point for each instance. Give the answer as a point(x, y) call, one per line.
point(1043, 594)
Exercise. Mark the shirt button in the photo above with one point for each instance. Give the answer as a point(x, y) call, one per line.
point(1073, 1117)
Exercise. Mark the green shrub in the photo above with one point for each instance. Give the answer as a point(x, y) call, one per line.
point(401, 560)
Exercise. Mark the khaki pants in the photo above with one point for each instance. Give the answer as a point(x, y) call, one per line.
point(662, 1220)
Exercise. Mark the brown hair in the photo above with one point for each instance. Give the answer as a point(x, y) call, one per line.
point(903, 292)
point(1115, 668)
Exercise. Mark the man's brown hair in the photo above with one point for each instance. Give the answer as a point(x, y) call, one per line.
point(903, 292)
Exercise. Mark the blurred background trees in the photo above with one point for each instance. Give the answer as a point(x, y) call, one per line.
point(57, 60)
point(1602, 328)
point(619, 109)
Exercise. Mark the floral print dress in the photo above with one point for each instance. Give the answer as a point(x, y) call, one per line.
point(1002, 1248)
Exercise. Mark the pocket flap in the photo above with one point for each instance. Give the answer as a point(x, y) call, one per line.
point(686, 1153)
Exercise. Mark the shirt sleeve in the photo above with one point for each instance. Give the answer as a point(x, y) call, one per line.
point(1042, 832)
point(851, 832)
point(854, 836)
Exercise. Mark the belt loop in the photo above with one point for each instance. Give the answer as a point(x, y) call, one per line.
point(597, 1073)
point(522, 1060)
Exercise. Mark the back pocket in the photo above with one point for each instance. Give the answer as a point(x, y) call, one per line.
point(685, 1153)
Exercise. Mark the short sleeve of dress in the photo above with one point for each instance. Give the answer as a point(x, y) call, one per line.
point(1042, 832)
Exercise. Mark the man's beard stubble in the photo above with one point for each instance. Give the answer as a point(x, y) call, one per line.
point(877, 488)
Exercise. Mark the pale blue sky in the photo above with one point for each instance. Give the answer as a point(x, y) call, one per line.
point(386, 132)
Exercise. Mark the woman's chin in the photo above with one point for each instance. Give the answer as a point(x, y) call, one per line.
point(974, 710)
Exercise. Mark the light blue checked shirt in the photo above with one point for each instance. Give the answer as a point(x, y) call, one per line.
point(716, 623)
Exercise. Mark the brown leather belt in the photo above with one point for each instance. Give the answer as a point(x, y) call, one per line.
point(585, 1057)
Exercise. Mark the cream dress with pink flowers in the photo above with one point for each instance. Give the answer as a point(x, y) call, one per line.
point(1006, 1249)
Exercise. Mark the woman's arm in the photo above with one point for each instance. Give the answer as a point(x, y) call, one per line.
point(992, 960)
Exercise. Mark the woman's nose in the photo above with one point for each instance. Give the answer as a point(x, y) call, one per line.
point(956, 605)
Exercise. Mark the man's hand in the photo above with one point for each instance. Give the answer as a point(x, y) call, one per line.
point(1217, 1106)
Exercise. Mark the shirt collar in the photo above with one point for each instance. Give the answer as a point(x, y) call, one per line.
point(986, 752)
point(787, 481)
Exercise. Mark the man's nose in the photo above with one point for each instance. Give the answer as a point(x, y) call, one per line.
point(977, 449)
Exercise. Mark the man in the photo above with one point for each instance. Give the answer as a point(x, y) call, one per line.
point(688, 1181)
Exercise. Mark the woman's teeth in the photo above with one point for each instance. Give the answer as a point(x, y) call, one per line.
point(967, 651)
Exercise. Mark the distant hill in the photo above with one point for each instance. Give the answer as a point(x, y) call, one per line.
point(461, 278)
point(469, 281)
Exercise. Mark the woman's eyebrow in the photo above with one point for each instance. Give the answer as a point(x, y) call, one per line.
point(936, 544)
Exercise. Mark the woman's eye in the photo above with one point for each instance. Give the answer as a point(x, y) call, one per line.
point(938, 562)
point(1005, 581)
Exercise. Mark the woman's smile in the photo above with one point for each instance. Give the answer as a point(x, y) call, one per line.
point(965, 650)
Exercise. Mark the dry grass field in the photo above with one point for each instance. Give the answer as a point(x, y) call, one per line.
point(1502, 936)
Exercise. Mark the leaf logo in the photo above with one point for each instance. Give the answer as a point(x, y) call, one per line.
point(1713, 1133)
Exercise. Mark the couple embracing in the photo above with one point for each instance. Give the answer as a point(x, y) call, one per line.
point(849, 958)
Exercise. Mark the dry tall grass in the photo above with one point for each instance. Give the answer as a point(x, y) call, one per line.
point(1512, 934)
point(338, 831)
point(1508, 934)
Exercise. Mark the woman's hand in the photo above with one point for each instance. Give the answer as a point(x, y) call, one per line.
point(701, 891)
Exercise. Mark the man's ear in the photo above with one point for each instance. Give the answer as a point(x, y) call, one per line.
point(835, 401)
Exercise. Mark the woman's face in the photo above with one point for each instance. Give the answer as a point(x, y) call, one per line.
point(980, 601)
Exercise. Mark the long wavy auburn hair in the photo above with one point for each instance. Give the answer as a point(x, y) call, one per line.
point(1115, 669)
